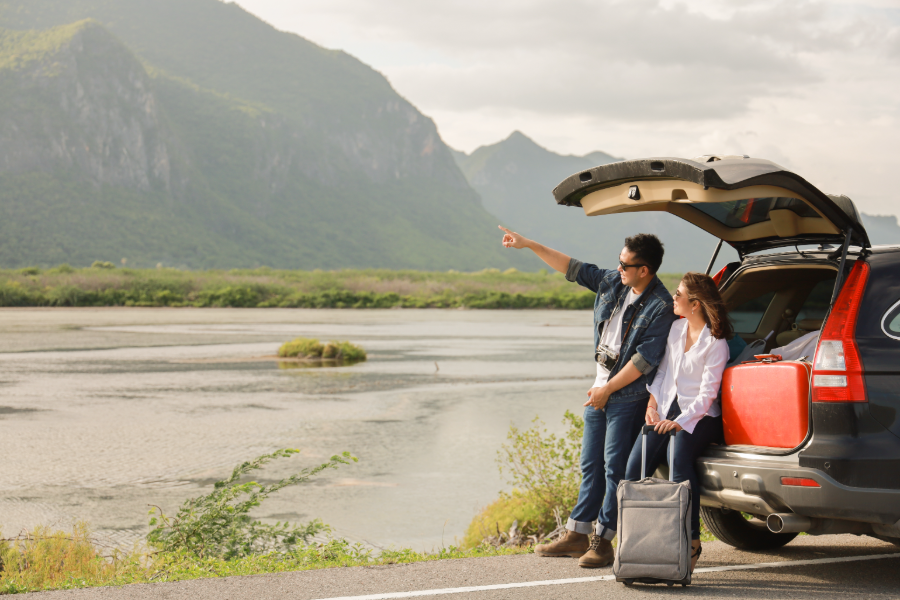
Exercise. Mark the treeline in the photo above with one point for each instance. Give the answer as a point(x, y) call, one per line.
point(105, 285)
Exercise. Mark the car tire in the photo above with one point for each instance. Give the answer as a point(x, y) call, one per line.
point(731, 527)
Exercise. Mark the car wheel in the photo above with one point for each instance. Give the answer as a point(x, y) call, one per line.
point(731, 527)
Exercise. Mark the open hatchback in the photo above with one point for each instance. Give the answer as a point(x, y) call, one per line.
point(822, 451)
point(751, 204)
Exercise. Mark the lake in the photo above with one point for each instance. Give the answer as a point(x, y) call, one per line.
point(106, 411)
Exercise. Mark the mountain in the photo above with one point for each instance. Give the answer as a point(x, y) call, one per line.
point(515, 178)
point(882, 229)
point(191, 133)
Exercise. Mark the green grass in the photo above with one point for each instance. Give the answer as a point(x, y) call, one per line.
point(267, 288)
point(44, 559)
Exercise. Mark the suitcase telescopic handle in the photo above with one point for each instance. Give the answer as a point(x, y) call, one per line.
point(644, 431)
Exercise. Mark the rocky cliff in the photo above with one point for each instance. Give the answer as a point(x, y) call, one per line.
point(190, 133)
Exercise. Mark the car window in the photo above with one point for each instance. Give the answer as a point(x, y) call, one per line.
point(747, 316)
point(891, 322)
point(816, 304)
point(740, 213)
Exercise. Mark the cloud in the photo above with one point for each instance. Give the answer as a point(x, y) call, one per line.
point(809, 84)
point(642, 60)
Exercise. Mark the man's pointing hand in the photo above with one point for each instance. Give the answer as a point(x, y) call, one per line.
point(512, 239)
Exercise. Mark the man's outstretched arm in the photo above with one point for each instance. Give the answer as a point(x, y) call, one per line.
point(554, 258)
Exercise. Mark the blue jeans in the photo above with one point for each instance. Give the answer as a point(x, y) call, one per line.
point(608, 437)
point(688, 446)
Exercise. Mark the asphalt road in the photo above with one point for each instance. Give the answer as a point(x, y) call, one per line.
point(822, 567)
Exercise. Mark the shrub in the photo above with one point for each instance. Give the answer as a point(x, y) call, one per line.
point(545, 473)
point(44, 558)
point(544, 466)
point(102, 264)
point(309, 348)
point(218, 524)
point(30, 271)
point(499, 516)
point(64, 268)
point(301, 348)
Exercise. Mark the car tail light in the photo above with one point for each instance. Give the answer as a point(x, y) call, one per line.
point(838, 370)
point(799, 482)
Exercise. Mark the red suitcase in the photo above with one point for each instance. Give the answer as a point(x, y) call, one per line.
point(766, 404)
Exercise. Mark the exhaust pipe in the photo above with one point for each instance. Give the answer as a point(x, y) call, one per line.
point(788, 523)
point(791, 523)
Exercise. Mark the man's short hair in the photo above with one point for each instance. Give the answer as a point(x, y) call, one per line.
point(647, 249)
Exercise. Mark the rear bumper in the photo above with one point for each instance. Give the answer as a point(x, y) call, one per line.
point(752, 484)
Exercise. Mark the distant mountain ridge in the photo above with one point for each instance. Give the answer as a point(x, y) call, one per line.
point(190, 133)
point(515, 178)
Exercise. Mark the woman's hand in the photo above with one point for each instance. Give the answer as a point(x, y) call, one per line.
point(598, 397)
point(651, 415)
point(666, 426)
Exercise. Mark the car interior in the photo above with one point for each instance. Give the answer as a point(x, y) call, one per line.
point(779, 303)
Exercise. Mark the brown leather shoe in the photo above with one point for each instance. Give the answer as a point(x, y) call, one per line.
point(599, 554)
point(572, 544)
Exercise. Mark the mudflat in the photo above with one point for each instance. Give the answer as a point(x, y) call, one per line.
point(106, 411)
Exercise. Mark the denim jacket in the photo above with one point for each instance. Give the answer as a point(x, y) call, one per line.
point(645, 341)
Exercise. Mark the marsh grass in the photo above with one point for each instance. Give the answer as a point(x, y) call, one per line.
point(50, 560)
point(102, 285)
point(344, 352)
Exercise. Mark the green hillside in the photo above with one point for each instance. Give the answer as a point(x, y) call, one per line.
point(192, 134)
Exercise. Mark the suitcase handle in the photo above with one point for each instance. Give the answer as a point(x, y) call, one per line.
point(644, 431)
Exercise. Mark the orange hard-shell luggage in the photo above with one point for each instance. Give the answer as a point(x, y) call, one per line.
point(766, 403)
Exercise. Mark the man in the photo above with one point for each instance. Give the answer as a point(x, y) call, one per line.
point(632, 317)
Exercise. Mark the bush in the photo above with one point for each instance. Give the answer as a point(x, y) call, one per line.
point(545, 473)
point(309, 348)
point(102, 264)
point(499, 517)
point(301, 348)
point(219, 525)
point(44, 558)
point(544, 466)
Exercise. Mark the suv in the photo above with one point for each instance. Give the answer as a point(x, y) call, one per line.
point(844, 477)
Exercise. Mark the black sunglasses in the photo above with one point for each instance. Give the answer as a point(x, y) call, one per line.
point(624, 266)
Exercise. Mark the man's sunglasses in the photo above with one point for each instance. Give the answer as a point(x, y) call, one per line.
point(624, 266)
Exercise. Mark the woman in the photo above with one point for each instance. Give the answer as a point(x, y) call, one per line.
point(685, 389)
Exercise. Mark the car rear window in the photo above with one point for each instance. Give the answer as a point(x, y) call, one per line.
point(747, 316)
point(740, 213)
point(816, 304)
point(891, 322)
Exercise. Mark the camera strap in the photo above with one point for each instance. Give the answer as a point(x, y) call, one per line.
point(643, 298)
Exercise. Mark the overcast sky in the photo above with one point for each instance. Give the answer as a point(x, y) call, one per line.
point(814, 86)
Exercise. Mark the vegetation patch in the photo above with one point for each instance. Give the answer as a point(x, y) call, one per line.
point(213, 535)
point(105, 285)
point(313, 349)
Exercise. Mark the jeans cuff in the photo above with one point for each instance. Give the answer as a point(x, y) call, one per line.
point(605, 532)
point(579, 526)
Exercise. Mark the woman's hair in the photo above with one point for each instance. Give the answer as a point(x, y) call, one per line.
point(703, 289)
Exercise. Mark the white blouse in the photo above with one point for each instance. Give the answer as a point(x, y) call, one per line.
point(693, 376)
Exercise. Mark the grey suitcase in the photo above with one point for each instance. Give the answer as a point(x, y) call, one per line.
point(654, 527)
